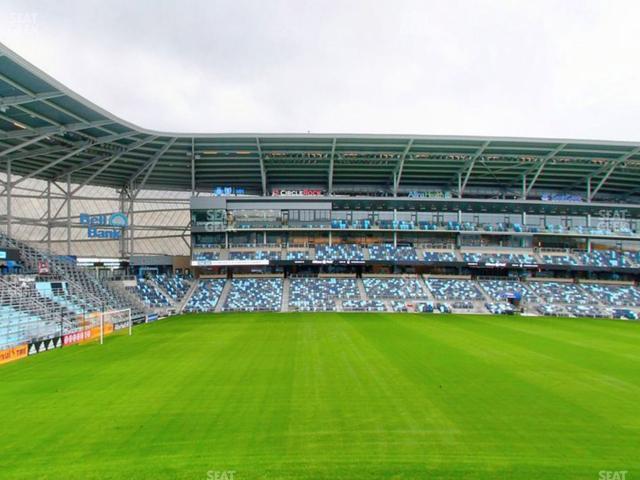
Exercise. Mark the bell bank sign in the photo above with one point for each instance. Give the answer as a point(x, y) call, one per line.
point(105, 226)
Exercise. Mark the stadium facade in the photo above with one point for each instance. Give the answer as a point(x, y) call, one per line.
point(305, 221)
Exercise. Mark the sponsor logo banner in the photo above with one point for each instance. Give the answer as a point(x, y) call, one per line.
point(14, 353)
point(104, 226)
point(152, 317)
point(227, 263)
point(77, 337)
point(45, 345)
point(304, 192)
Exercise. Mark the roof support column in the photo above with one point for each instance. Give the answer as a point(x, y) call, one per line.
point(331, 160)
point(128, 192)
point(49, 217)
point(9, 192)
point(193, 166)
point(398, 172)
point(466, 178)
point(68, 214)
point(263, 172)
point(601, 182)
point(122, 243)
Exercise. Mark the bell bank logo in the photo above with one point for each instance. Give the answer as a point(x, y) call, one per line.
point(105, 226)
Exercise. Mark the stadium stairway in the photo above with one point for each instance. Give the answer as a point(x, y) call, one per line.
point(183, 303)
point(153, 283)
point(285, 295)
point(423, 285)
point(223, 296)
point(361, 289)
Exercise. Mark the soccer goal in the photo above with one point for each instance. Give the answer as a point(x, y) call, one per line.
point(115, 321)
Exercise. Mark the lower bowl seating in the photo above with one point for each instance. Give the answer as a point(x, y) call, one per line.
point(206, 296)
point(320, 294)
point(254, 294)
point(453, 289)
point(394, 288)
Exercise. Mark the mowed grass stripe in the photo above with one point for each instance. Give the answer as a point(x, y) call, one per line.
point(454, 376)
point(329, 395)
point(601, 389)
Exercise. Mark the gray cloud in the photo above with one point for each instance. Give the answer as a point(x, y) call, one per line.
point(544, 68)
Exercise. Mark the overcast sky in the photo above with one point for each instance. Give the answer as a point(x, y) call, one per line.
point(533, 68)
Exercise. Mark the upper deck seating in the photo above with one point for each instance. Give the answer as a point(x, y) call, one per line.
point(567, 260)
point(341, 251)
point(254, 255)
point(604, 258)
point(439, 256)
point(390, 253)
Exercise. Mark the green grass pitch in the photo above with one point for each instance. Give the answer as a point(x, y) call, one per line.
point(331, 396)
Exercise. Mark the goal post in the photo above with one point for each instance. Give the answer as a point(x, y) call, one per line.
point(114, 321)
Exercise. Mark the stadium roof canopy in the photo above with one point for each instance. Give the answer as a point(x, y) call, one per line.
point(50, 132)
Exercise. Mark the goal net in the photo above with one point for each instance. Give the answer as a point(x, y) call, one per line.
point(115, 322)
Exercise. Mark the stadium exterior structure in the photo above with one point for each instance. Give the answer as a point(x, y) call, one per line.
point(61, 156)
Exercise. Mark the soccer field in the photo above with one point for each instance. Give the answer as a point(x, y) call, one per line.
point(354, 396)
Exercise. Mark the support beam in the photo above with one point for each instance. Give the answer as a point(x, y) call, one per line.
point(22, 99)
point(605, 168)
point(22, 145)
point(540, 169)
point(263, 171)
point(53, 130)
point(471, 164)
point(94, 161)
point(69, 215)
point(49, 217)
point(9, 209)
point(193, 166)
point(149, 166)
point(400, 168)
point(32, 154)
point(73, 153)
point(331, 162)
point(609, 171)
point(593, 192)
point(113, 159)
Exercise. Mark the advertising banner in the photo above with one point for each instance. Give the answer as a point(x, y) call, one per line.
point(14, 353)
point(45, 345)
point(77, 337)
